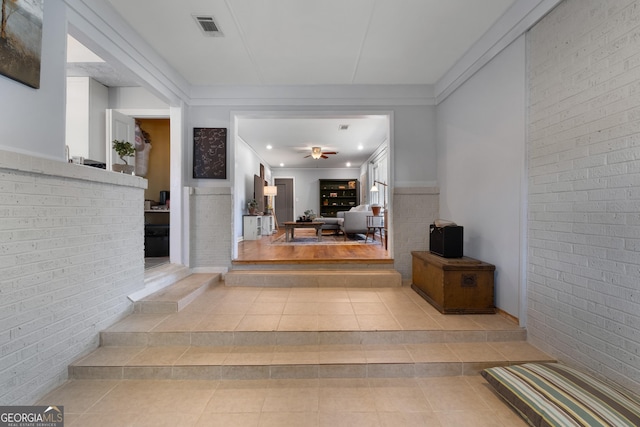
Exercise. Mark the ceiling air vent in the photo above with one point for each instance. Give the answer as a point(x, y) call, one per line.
point(208, 26)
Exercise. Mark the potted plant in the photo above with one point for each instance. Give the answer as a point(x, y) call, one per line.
point(252, 204)
point(124, 149)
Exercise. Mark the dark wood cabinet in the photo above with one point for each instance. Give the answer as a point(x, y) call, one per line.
point(337, 195)
point(454, 285)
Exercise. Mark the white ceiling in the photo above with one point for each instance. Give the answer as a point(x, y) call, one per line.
point(292, 137)
point(305, 42)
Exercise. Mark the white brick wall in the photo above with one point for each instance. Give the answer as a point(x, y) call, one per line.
point(211, 227)
point(71, 250)
point(413, 210)
point(584, 205)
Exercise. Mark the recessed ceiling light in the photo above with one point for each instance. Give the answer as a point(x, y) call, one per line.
point(343, 127)
point(269, 147)
point(281, 165)
point(348, 164)
point(360, 147)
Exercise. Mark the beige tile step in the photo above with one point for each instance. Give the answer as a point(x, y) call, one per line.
point(175, 297)
point(320, 264)
point(353, 278)
point(158, 278)
point(302, 361)
point(121, 337)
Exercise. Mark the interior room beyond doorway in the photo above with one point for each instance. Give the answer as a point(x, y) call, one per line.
point(157, 195)
point(358, 149)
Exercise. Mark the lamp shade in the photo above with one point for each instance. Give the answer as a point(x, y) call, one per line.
point(270, 190)
point(316, 152)
point(374, 189)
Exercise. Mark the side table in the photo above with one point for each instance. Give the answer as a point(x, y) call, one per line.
point(374, 223)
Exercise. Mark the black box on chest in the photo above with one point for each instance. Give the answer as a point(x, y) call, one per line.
point(446, 241)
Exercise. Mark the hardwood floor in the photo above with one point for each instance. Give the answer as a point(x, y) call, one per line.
point(263, 250)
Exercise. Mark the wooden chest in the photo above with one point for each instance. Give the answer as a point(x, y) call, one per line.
point(454, 285)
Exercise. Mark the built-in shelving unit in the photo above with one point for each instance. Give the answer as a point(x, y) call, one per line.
point(337, 195)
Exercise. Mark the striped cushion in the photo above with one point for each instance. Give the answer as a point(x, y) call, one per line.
point(550, 394)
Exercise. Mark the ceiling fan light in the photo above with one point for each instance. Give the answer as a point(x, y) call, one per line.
point(316, 152)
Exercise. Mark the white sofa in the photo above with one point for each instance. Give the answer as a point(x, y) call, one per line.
point(355, 220)
point(331, 223)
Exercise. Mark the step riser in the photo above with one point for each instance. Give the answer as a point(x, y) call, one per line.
point(255, 372)
point(315, 279)
point(149, 306)
point(159, 278)
point(325, 265)
point(212, 339)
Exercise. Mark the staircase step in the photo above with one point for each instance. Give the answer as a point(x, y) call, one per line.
point(302, 361)
point(138, 338)
point(353, 278)
point(276, 333)
point(175, 297)
point(158, 278)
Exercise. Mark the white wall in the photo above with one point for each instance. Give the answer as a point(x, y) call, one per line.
point(33, 120)
point(247, 165)
point(85, 129)
point(413, 162)
point(481, 139)
point(584, 180)
point(306, 184)
point(134, 97)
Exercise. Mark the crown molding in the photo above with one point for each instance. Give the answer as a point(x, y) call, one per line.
point(320, 95)
point(517, 20)
point(101, 29)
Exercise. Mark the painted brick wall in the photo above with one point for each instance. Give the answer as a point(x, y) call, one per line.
point(584, 186)
point(211, 227)
point(71, 250)
point(413, 210)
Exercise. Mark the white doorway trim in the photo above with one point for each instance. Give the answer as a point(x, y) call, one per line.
point(178, 227)
point(236, 116)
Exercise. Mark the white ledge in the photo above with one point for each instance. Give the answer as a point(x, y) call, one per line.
point(25, 163)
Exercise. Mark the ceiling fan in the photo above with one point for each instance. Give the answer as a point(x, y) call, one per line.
point(316, 153)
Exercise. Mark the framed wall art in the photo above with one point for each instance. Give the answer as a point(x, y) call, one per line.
point(21, 40)
point(210, 153)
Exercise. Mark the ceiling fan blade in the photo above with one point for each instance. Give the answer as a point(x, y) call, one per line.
point(324, 157)
point(329, 152)
point(307, 156)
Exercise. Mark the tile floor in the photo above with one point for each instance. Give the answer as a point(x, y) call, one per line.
point(223, 308)
point(439, 402)
point(434, 401)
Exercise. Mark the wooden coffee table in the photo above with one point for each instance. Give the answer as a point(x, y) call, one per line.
point(289, 226)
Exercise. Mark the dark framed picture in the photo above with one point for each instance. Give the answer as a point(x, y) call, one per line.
point(210, 153)
point(261, 171)
point(21, 40)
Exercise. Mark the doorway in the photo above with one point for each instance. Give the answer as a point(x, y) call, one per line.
point(284, 200)
point(279, 139)
point(156, 135)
